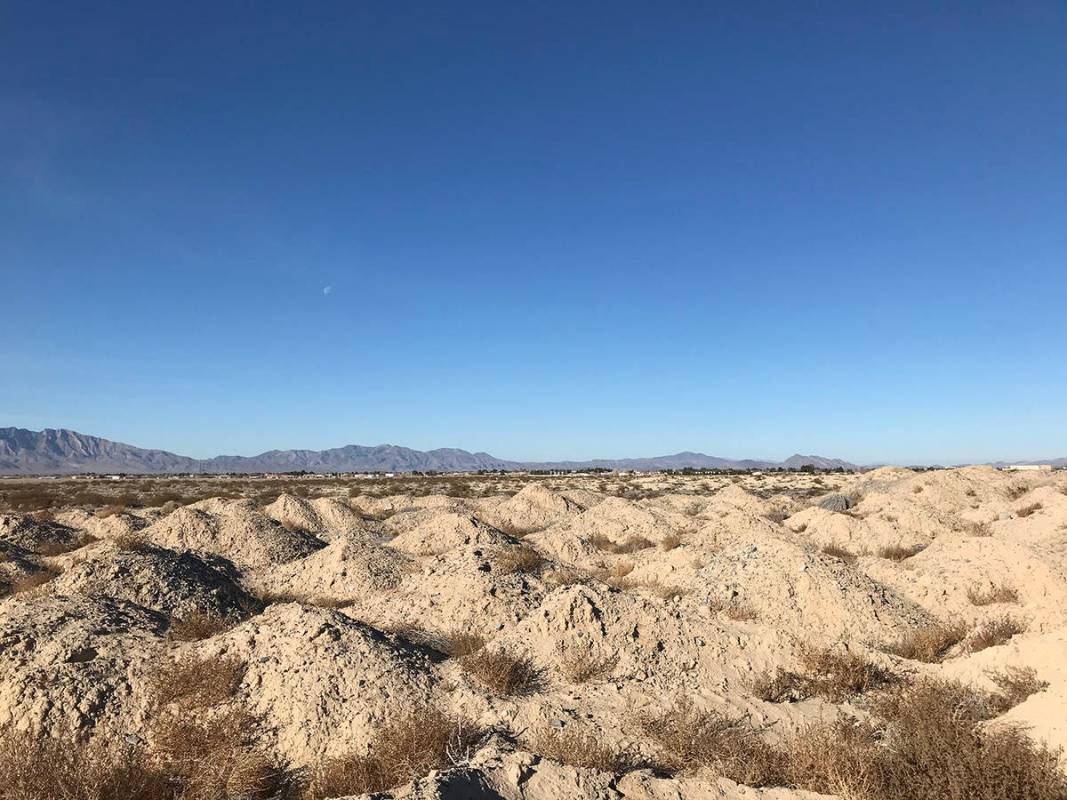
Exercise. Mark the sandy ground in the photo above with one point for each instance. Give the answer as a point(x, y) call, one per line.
point(674, 588)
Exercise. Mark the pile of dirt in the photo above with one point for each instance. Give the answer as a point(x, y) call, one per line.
point(792, 587)
point(320, 681)
point(448, 531)
point(326, 518)
point(343, 571)
point(463, 589)
point(232, 529)
point(37, 536)
point(107, 526)
point(532, 508)
point(174, 584)
point(70, 664)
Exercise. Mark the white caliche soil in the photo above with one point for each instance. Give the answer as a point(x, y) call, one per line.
point(682, 588)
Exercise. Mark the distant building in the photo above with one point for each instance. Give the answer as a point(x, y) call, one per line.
point(1029, 467)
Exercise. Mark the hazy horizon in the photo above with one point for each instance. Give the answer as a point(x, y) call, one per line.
point(540, 232)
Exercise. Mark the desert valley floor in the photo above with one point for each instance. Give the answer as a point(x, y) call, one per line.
point(877, 635)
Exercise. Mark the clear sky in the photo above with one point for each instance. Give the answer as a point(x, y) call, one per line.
point(543, 230)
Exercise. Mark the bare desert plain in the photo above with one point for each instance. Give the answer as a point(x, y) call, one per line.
point(884, 634)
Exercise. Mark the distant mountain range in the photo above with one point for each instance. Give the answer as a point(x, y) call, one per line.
point(63, 452)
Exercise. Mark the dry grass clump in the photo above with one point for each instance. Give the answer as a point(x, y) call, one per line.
point(1016, 684)
point(929, 644)
point(405, 748)
point(631, 545)
point(459, 644)
point(980, 529)
point(924, 743)
point(197, 626)
point(780, 686)
point(670, 541)
point(834, 675)
point(215, 757)
point(837, 675)
point(733, 609)
point(582, 749)
point(840, 553)
point(522, 559)
point(582, 666)
point(995, 632)
point(993, 594)
point(898, 552)
point(689, 740)
point(1026, 511)
point(564, 576)
point(33, 581)
point(38, 768)
point(195, 682)
point(131, 542)
point(503, 673)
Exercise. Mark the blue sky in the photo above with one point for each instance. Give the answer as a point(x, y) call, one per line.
point(557, 230)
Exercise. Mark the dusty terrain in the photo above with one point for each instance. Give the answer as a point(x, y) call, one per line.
point(885, 634)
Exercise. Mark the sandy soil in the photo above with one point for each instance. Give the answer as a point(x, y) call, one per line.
point(342, 605)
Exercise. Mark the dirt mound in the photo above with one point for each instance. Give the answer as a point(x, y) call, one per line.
point(969, 578)
point(321, 681)
point(463, 589)
point(343, 571)
point(791, 587)
point(174, 584)
point(326, 518)
point(443, 532)
point(533, 508)
point(68, 664)
point(232, 529)
point(34, 536)
point(110, 526)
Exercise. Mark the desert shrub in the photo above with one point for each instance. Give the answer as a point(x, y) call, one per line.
point(733, 609)
point(993, 594)
point(1015, 492)
point(929, 644)
point(34, 580)
point(131, 542)
point(780, 686)
point(1016, 684)
point(460, 643)
point(1026, 511)
point(995, 632)
point(670, 541)
point(214, 757)
point(899, 552)
point(924, 743)
point(197, 626)
point(195, 682)
point(582, 666)
point(502, 672)
point(40, 768)
point(518, 559)
point(981, 529)
point(581, 749)
point(834, 675)
point(631, 545)
point(404, 748)
point(840, 553)
point(688, 740)
point(837, 675)
point(564, 576)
